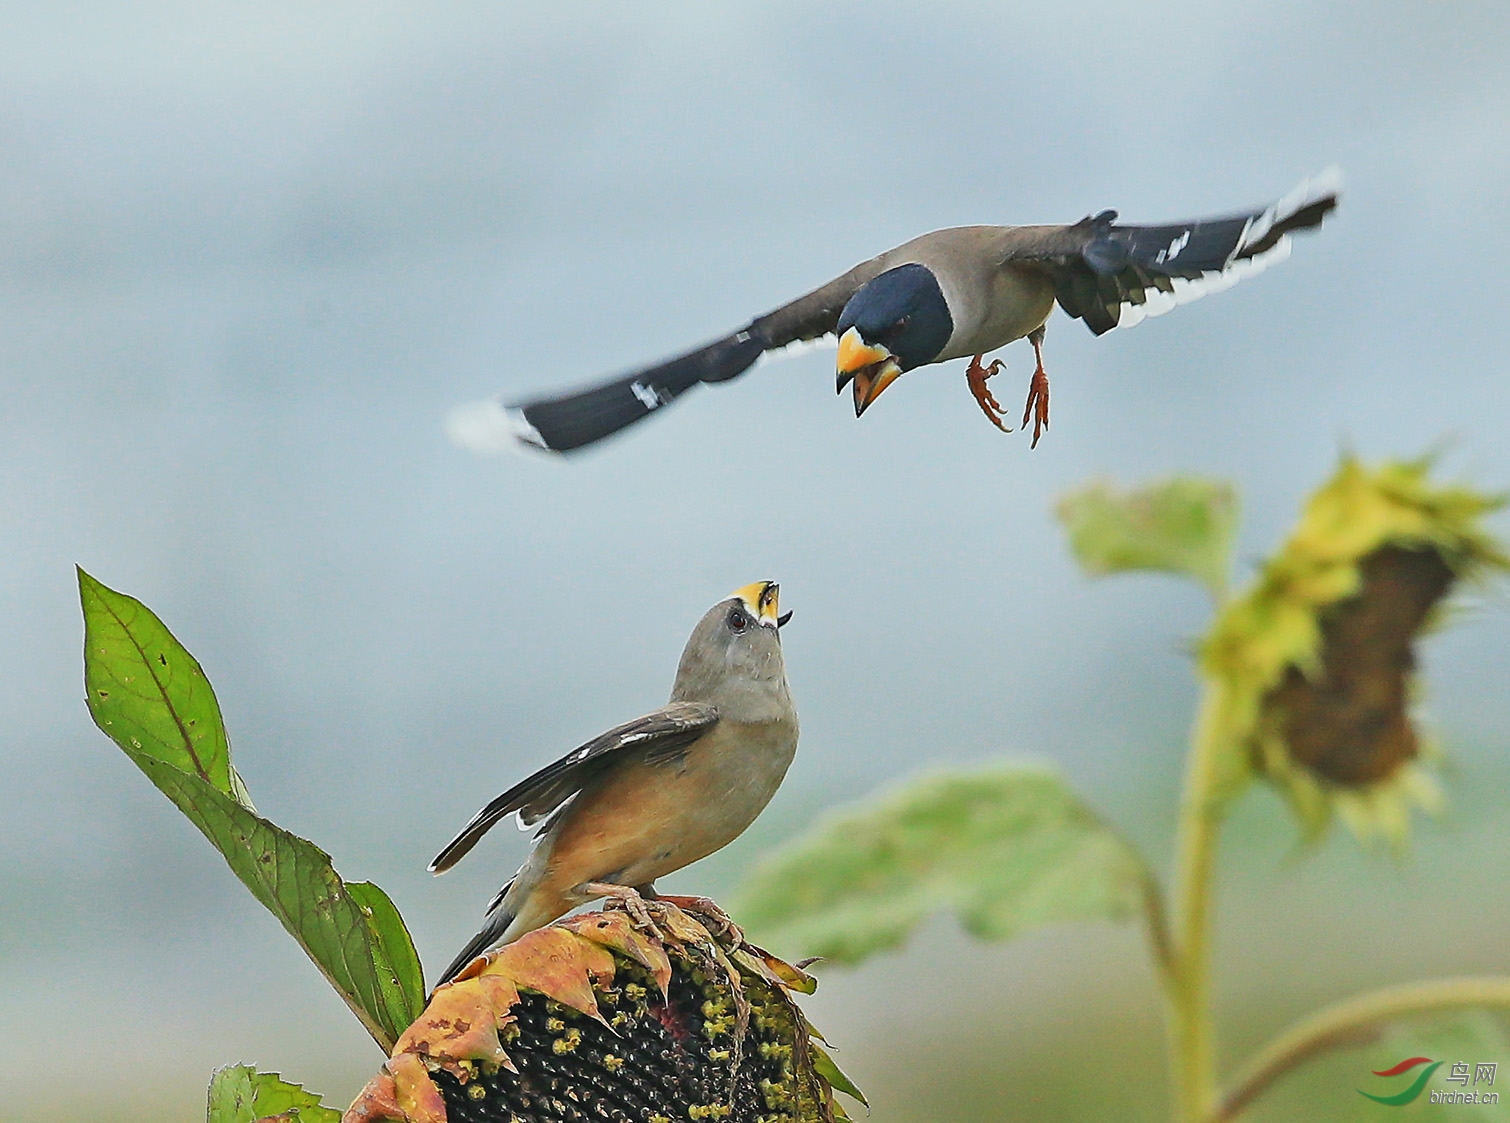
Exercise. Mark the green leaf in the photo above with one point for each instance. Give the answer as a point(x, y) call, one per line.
point(146, 692)
point(349, 935)
point(241, 1094)
point(402, 981)
point(1184, 525)
point(824, 1066)
point(1007, 848)
point(151, 697)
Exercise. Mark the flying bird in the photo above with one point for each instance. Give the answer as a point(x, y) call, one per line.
point(959, 293)
point(654, 794)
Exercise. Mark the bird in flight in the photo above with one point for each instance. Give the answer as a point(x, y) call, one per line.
point(958, 293)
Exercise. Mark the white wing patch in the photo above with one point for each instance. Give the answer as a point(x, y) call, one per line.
point(1187, 289)
point(651, 397)
point(1172, 251)
point(799, 347)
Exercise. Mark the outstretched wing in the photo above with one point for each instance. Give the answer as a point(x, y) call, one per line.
point(1113, 276)
point(657, 735)
point(573, 420)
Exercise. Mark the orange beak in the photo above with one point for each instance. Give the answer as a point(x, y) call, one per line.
point(870, 367)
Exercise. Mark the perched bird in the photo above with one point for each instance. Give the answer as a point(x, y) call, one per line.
point(654, 794)
point(959, 293)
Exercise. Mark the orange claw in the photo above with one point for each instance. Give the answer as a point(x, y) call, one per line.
point(1038, 396)
point(976, 376)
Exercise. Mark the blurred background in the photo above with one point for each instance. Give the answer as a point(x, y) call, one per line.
point(252, 256)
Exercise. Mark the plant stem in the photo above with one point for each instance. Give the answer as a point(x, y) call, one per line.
point(1156, 920)
point(1356, 1020)
point(1191, 1044)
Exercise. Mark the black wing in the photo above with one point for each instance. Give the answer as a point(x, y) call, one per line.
point(657, 735)
point(1111, 275)
point(571, 421)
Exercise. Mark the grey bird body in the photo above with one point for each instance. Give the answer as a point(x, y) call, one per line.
point(957, 293)
point(993, 299)
point(656, 794)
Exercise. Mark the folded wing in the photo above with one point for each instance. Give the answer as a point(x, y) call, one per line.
point(656, 736)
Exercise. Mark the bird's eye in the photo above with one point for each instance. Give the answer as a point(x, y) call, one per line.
point(738, 621)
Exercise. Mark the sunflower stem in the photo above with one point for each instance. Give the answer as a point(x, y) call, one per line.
point(1353, 1021)
point(1192, 1044)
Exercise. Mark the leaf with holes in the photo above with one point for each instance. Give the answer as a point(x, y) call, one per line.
point(152, 698)
point(148, 694)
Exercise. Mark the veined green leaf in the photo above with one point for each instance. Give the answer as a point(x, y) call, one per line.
point(147, 692)
point(241, 1094)
point(152, 698)
point(1006, 848)
point(1183, 525)
point(400, 980)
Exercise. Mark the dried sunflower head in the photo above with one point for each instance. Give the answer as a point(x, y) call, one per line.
point(1313, 667)
point(596, 1020)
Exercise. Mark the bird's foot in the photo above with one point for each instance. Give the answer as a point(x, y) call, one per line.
point(975, 376)
point(1038, 404)
point(629, 899)
point(704, 908)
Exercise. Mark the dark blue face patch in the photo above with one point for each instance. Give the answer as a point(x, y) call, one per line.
point(904, 311)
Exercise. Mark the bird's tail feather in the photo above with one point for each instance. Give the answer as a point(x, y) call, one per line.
point(493, 928)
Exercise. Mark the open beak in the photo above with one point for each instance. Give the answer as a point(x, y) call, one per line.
point(762, 601)
point(870, 368)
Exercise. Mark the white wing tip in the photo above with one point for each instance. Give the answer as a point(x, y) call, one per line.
point(1326, 182)
point(488, 428)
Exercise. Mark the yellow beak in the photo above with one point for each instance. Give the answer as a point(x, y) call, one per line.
point(761, 600)
point(870, 367)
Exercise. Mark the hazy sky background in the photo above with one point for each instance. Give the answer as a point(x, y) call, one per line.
point(251, 256)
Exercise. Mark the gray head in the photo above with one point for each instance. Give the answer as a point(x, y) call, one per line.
point(733, 657)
